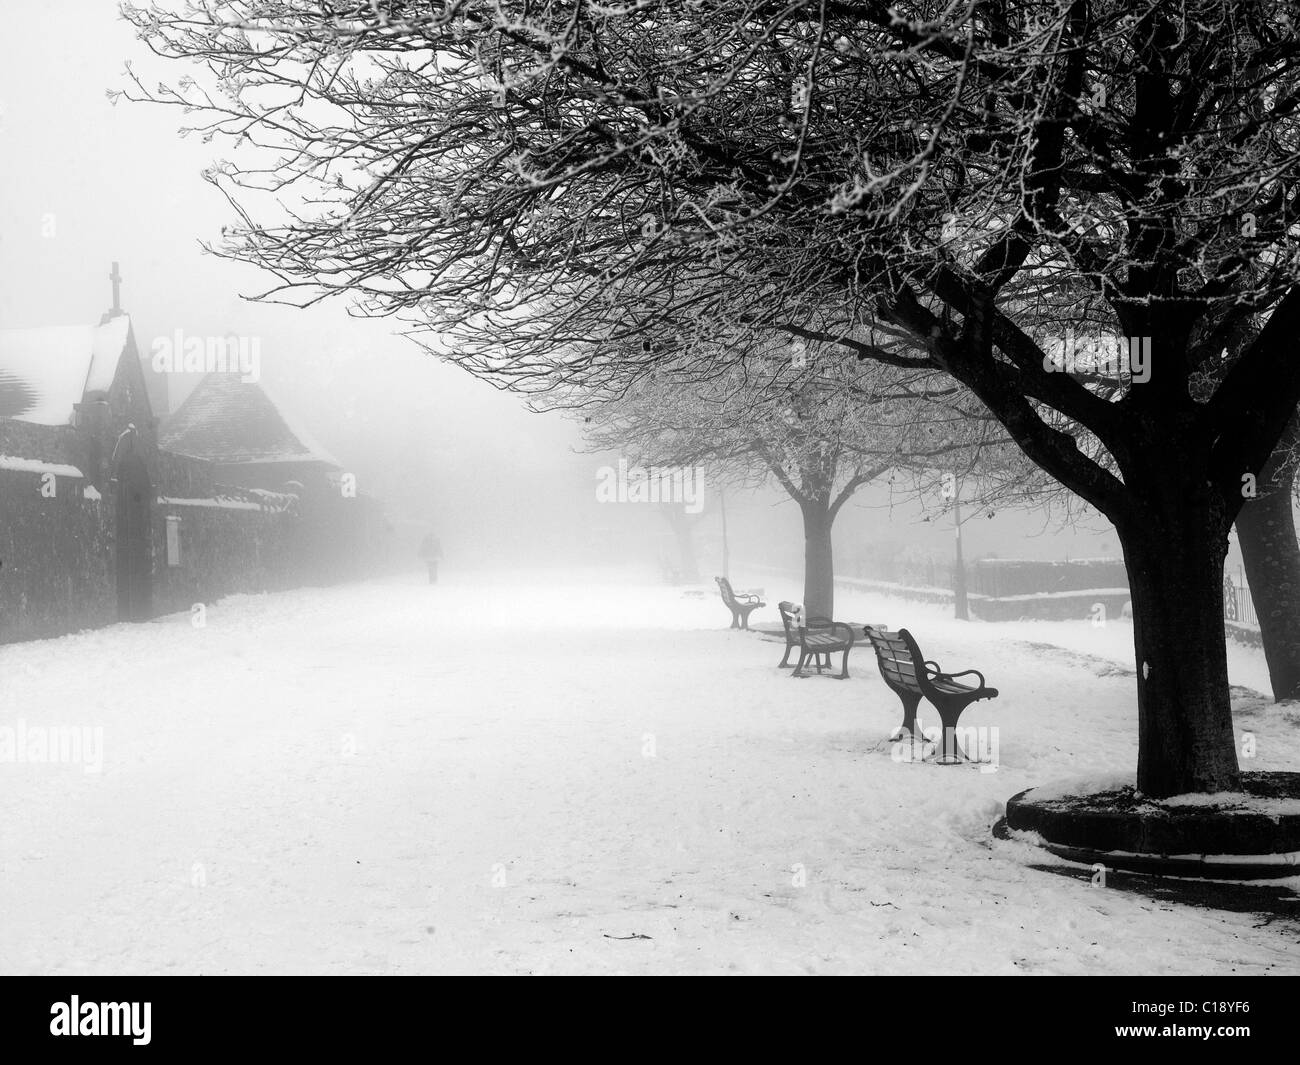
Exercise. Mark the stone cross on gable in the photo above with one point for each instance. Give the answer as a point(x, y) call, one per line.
point(116, 277)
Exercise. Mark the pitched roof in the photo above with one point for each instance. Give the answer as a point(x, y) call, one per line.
point(228, 420)
point(43, 372)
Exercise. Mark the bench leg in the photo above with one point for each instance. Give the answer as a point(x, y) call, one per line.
point(785, 658)
point(951, 752)
point(844, 665)
point(910, 700)
point(798, 669)
point(735, 618)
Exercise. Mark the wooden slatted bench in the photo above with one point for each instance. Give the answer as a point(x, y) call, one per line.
point(817, 638)
point(911, 676)
point(741, 606)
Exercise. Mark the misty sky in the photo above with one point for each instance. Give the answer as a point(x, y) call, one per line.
point(85, 181)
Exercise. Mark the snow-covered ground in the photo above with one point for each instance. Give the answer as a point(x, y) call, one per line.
point(565, 774)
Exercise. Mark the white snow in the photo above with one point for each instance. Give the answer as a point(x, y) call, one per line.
point(1074, 593)
point(225, 504)
point(61, 364)
point(107, 343)
point(1079, 786)
point(1100, 559)
point(1260, 804)
point(887, 586)
point(21, 465)
point(532, 774)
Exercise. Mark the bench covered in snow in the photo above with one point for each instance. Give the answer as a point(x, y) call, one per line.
point(741, 605)
point(911, 676)
point(816, 637)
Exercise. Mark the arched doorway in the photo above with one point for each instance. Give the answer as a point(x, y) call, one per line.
point(133, 505)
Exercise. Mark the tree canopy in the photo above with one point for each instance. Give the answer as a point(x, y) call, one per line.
point(565, 193)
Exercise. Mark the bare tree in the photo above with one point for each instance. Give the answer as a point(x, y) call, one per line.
point(540, 182)
point(796, 416)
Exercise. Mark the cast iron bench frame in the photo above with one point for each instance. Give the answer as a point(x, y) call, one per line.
point(740, 611)
point(815, 639)
point(911, 676)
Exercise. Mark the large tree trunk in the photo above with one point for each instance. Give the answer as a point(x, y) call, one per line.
point(1267, 534)
point(1174, 545)
point(818, 559)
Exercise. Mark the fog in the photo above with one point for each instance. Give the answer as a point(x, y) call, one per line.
point(113, 181)
point(372, 669)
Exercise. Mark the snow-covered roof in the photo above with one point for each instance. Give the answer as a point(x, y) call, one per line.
point(228, 420)
point(22, 465)
point(44, 372)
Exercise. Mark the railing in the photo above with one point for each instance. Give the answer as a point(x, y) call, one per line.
point(1237, 602)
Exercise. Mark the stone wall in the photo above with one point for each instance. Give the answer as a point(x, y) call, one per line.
point(228, 544)
point(58, 533)
point(57, 572)
point(56, 557)
point(1096, 605)
point(61, 444)
point(1000, 578)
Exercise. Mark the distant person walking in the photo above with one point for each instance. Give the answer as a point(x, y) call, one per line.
point(431, 552)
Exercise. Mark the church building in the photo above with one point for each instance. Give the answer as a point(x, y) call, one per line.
point(249, 439)
point(101, 520)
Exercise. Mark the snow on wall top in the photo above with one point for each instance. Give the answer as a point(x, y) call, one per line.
point(226, 419)
point(22, 465)
point(44, 372)
point(1099, 561)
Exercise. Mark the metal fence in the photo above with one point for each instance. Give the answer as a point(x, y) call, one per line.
point(1237, 603)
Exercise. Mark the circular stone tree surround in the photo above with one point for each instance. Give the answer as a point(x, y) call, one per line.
point(1247, 835)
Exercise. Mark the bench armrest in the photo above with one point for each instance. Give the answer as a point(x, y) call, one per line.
point(747, 597)
point(965, 673)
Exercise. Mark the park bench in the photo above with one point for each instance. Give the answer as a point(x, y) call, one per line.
point(741, 606)
point(817, 638)
point(911, 676)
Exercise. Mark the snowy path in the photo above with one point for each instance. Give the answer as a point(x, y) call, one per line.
point(391, 778)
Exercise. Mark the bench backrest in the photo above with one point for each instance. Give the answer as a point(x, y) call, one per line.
point(724, 586)
point(899, 658)
point(791, 616)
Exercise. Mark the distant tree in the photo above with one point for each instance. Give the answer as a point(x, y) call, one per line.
point(541, 181)
point(801, 417)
